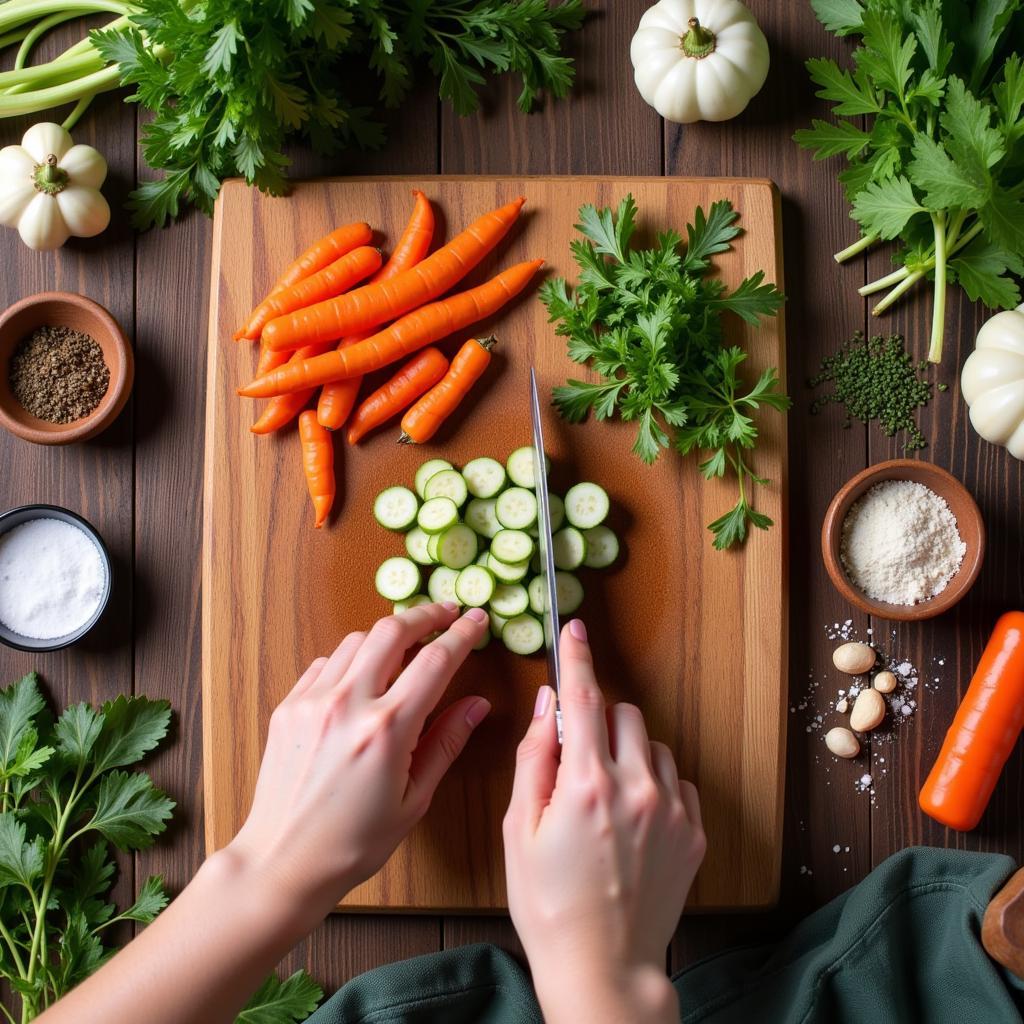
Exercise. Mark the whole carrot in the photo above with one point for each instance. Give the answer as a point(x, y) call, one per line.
point(413, 331)
point(335, 278)
point(318, 464)
point(270, 360)
point(983, 733)
point(374, 304)
point(282, 410)
point(420, 374)
point(322, 252)
point(338, 398)
point(422, 421)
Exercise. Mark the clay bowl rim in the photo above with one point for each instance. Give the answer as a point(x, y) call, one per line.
point(937, 480)
point(25, 514)
point(117, 354)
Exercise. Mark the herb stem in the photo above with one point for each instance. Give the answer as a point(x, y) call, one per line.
point(905, 285)
point(939, 303)
point(852, 250)
point(39, 29)
point(57, 95)
point(80, 108)
point(13, 947)
point(884, 282)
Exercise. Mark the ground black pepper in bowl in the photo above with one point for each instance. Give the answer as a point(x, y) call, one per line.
point(58, 374)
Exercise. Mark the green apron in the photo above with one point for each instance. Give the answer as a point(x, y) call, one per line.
point(901, 947)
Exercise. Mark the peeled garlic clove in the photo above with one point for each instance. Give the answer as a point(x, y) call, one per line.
point(868, 711)
point(854, 658)
point(884, 682)
point(842, 742)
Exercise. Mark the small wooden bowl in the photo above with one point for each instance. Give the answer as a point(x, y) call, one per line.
point(968, 520)
point(64, 309)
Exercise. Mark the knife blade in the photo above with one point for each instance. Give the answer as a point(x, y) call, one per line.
point(547, 561)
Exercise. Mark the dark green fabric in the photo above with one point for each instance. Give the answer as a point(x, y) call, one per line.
point(901, 947)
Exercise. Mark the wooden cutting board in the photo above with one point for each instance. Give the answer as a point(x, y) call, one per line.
point(695, 637)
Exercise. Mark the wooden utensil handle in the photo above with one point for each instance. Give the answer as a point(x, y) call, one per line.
point(1002, 931)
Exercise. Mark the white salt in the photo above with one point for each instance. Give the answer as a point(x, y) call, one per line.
point(900, 543)
point(52, 579)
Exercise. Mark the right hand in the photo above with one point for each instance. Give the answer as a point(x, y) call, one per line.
point(601, 847)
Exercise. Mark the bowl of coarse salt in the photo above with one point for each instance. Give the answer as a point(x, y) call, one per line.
point(903, 540)
point(55, 577)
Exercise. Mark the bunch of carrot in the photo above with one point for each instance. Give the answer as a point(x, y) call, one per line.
point(317, 330)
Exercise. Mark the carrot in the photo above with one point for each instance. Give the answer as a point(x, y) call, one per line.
point(270, 360)
point(338, 398)
point(418, 375)
point(373, 304)
point(322, 252)
point(422, 421)
point(983, 733)
point(282, 410)
point(318, 463)
point(328, 283)
point(413, 331)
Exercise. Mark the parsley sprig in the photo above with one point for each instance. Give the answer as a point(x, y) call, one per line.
point(939, 164)
point(649, 322)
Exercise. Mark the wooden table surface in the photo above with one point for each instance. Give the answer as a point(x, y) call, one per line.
point(141, 482)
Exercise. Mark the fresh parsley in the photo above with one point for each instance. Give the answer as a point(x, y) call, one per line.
point(939, 164)
point(65, 799)
point(649, 322)
point(229, 81)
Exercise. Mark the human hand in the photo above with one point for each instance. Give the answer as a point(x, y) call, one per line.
point(348, 769)
point(601, 847)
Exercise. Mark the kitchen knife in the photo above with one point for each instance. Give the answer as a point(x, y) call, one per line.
point(547, 561)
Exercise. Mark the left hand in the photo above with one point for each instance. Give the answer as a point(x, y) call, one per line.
point(348, 769)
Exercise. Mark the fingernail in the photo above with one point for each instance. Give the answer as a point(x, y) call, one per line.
point(449, 606)
point(578, 630)
point(540, 706)
point(477, 712)
point(476, 615)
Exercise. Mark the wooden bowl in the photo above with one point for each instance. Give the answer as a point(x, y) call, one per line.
point(64, 309)
point(969, 523)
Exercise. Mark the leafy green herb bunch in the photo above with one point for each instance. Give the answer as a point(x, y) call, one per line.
point(649, 321)
point(939, 163)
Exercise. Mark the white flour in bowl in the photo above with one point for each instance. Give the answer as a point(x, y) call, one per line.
point(900, 543)
point(52, 579)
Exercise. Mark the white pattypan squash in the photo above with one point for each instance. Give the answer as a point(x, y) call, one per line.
point(992, 381)
point(49, 188)
point(699, 60)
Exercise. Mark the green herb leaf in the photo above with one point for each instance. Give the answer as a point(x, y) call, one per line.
point(130, 810)
point(851, 95)
point(831, 138)
point(839, 16)
point(19, 704)
point(282, 1002)
point(883, 208)
point(706, 237)
point(982, 268)
point(132, 726)
point(76, 731)
point(21, 861)
point(150, 901)
point(944, 182)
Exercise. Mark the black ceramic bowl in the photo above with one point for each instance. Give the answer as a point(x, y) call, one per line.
point(23, 514)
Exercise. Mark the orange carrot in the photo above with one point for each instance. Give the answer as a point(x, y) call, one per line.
point(322, 252)
point(421, 422)
point(374, 304)
point(282, 410)
point(983, 733)
point(328, 283)
point(338, 398)
point(318, 463)
point(418, 375)
point(413, 331)
point(270, 360)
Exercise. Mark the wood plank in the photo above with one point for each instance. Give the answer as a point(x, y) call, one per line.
point(822, 806)
point(168, 508)
point(454, 859)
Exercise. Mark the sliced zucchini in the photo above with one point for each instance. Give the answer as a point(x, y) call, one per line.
point(509, 600)
point(395, 508)
point(512, 546)
point(537, 594)
point(516, 508)
point(497, 624)
point(484, 477)
point(474, 586)
point(557, 509)
point(433, 539)
point(456, 547)
point(437, 514)
point(586, 506)
point(506, 573)
point(448, 483)
point(410, 602)
point(520, 467)
point(481, 559)
point(398, 579)
point(569, 592)
point(568, 548)
point(427, 470)
point(523, 635)
point(416, 545)
point(602, 547)
point(481, 518)
point(441, 585)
